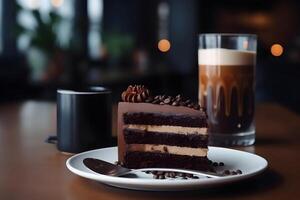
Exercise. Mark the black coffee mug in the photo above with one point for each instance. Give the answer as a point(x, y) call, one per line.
point(83, 119)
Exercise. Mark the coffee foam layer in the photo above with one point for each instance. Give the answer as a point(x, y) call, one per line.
point(220, 56)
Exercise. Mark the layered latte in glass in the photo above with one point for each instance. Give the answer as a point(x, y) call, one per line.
point(227, 87)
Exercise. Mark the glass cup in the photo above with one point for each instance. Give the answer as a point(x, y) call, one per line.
point(227, 87)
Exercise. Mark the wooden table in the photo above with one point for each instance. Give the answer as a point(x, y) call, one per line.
point(32, 169)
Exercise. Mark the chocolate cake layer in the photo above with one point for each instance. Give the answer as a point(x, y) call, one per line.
point(127, 107)
point(133, 136)
point(164, 119)
point(137, 159)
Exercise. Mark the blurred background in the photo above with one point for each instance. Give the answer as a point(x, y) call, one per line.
point(48, 44)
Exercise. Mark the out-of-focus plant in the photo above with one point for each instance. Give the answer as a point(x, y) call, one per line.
point(118, 45)
point(43, 35)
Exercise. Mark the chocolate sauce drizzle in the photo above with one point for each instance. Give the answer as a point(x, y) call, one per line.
point(227, 93)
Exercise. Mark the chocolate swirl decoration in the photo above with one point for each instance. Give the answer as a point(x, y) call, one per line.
point(135, 94)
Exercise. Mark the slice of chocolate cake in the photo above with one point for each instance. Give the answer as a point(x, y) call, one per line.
point(161, 131)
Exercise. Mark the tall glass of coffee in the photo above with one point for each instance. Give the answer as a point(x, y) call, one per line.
point(227, 86)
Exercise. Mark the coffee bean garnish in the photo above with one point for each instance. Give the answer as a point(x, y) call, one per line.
point(175, 103)
point(149, 99)
point(140, 94)
point(178, 96)
point(156, 101)
point(187, 101)
point(167, 100)
point(190, 105)
point(196, 107)
point(162, 97)
point(181, 103)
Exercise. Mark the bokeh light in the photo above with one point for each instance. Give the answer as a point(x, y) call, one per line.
point(164, 45)
point(276, 50)
point(57, 3)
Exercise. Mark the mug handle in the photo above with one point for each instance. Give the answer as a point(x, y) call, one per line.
point(51, 139)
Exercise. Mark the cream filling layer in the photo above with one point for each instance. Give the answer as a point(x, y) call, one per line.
point(169, 129)
point(185, 151)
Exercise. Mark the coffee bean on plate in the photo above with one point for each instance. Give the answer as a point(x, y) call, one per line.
point(226, 172)
point(189, 175)
point(162, 177)
point(233, 173)
point(160, 173)
point(172, 174)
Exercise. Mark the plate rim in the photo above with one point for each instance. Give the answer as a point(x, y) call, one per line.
point(118, 181)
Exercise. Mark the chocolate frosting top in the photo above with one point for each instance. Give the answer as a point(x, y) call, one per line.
point(140, 94)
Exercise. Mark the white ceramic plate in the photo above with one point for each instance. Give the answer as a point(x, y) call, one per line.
point(250, 164)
